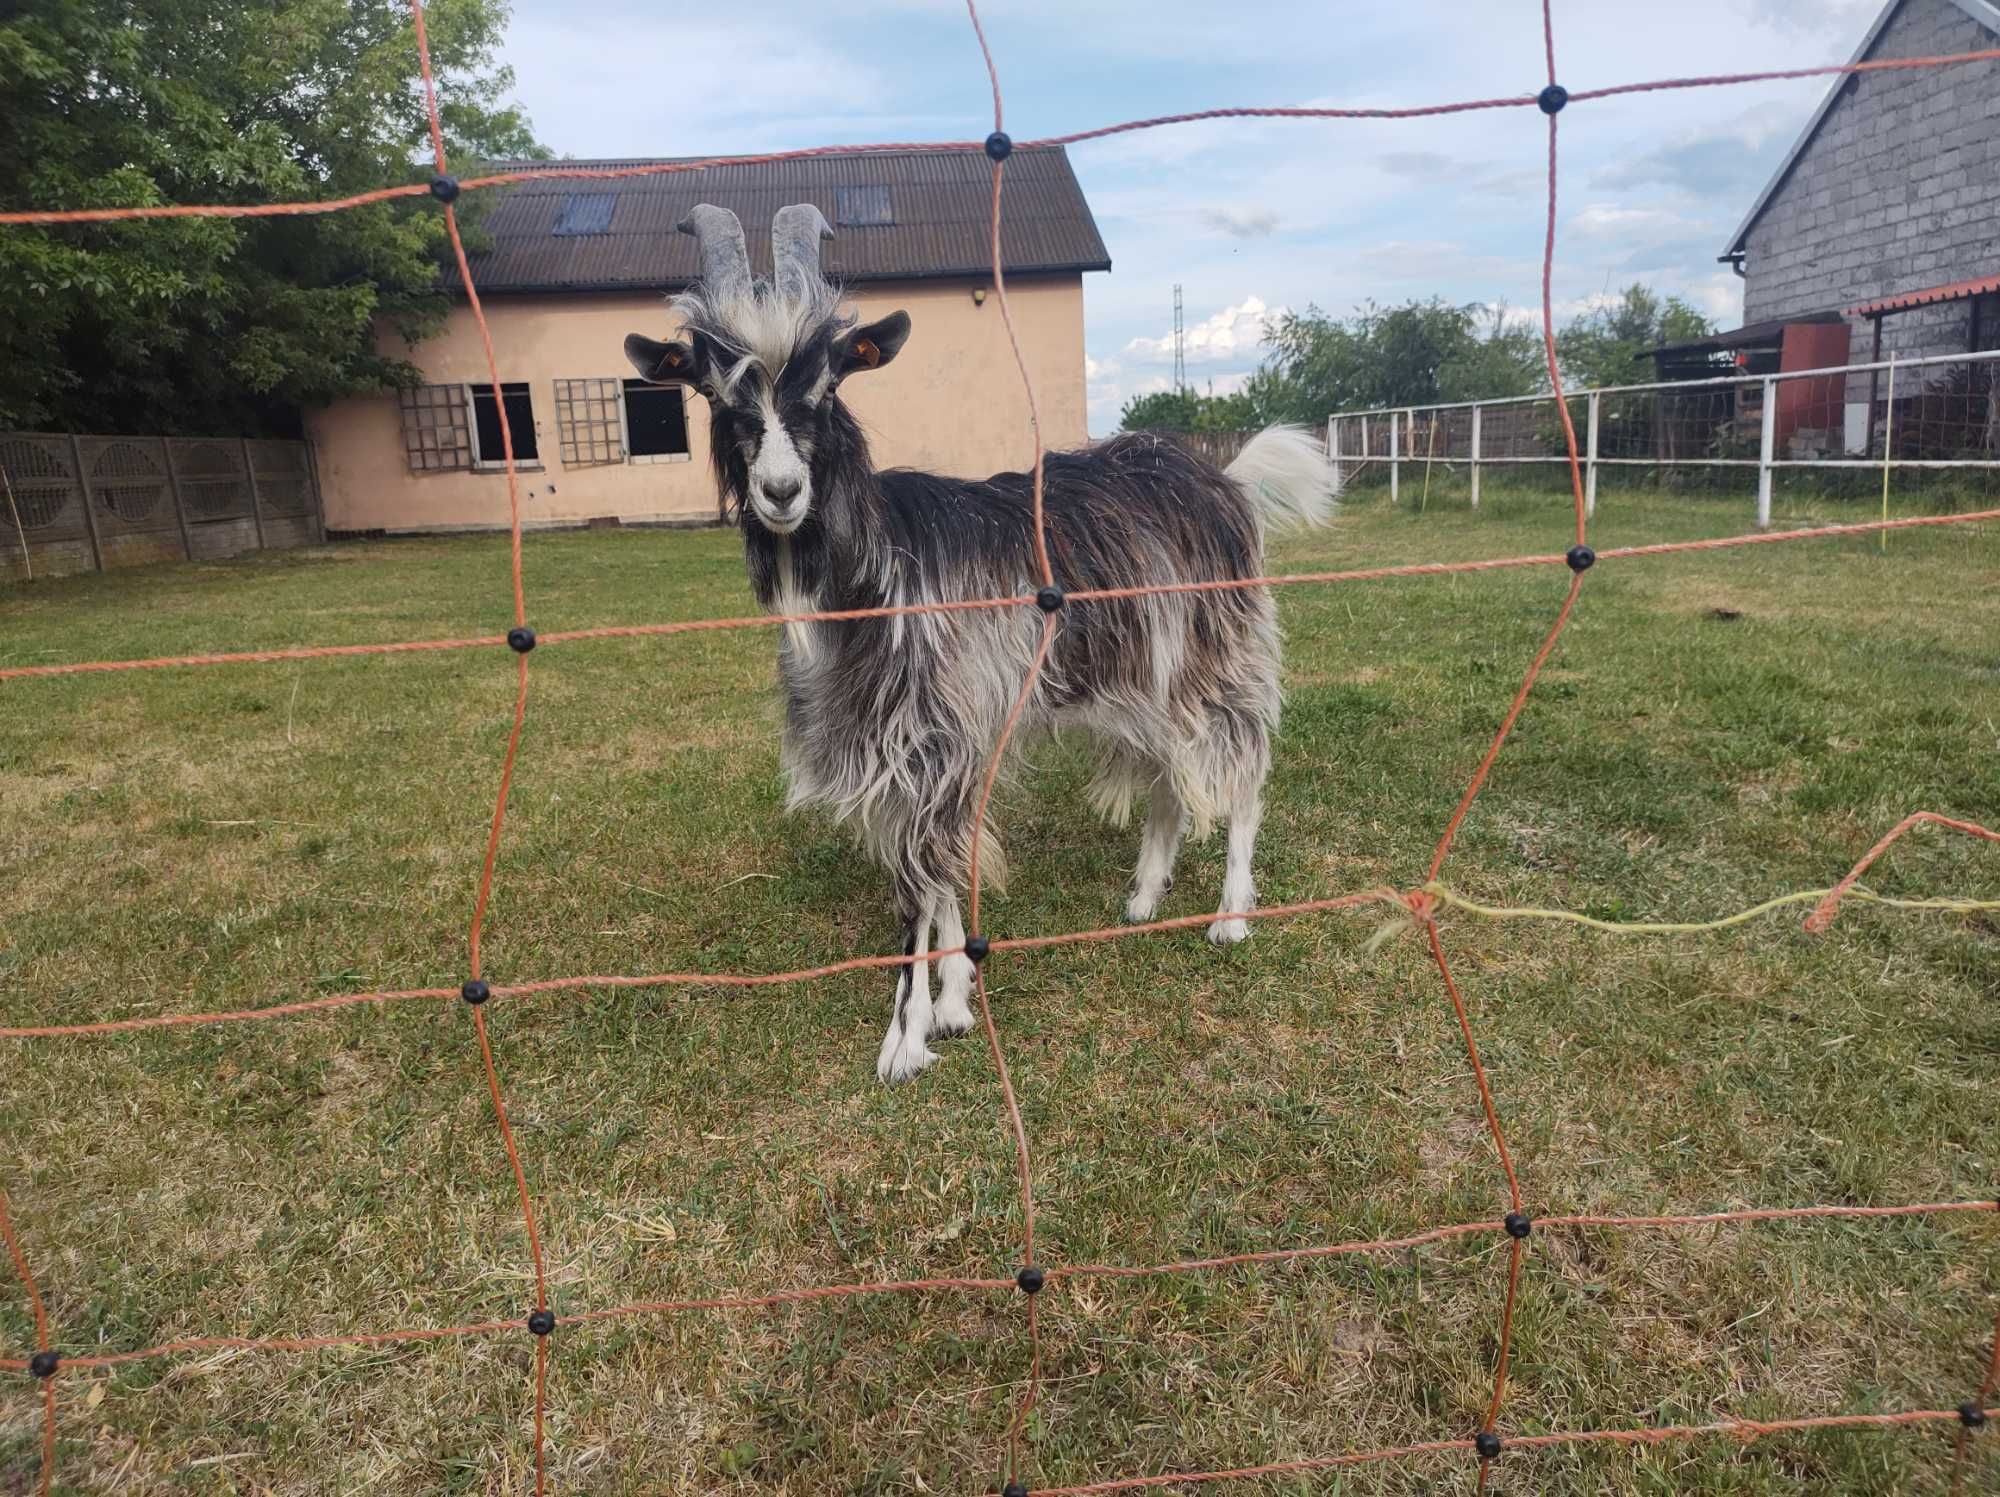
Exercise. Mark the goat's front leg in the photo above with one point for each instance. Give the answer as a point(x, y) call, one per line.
point(904, 1052)
point(953, 1014)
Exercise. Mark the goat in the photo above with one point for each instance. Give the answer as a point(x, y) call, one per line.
point(890, 723)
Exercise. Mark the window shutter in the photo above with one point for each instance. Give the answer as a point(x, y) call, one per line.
point(437, 428)
point(587, 422)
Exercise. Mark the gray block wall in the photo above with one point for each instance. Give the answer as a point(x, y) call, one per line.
point(1899, 190)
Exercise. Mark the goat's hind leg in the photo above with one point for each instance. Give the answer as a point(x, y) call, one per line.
point(1166, 822)
point(904, 1052)
point(1239, 888)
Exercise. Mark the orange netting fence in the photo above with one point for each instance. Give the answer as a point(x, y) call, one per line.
point(1419, 907)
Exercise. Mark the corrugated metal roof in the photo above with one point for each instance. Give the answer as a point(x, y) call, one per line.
point(942, 207)
point(1750, 335)
point(1956, 291)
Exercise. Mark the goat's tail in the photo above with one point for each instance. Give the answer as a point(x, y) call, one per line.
point(1284, 474)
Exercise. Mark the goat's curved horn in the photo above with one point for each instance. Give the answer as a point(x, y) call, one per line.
point(725, 262)
point(796, 233)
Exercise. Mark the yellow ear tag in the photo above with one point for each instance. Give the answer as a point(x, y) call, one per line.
point(865, 350)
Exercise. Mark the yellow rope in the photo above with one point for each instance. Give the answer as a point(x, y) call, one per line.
point(1445, 896)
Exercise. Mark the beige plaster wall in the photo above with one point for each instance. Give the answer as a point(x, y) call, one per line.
point(952, 402)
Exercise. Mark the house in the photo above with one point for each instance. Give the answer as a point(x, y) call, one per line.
point(1879, 233)
point(575, 264)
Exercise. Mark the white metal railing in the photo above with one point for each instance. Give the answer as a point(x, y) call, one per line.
point(1939, 412)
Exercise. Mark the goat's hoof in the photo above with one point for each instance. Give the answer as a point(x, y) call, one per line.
point(903, 1064)
point(951, 1018)
point(1138, 911)
point(1229, 932)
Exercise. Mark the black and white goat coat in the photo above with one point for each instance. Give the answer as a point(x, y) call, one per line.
point(890, 723)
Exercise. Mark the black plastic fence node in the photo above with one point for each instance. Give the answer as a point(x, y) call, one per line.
point(542, 1322)
point(1030, 1279)
point(1049, 599)
point(1517, 1225)
point(44, 1363)
point(976, 948)
point(475, 991)
point(521, 640)
point(999, 145)
point(1487, 1444)
point(1580, 558)
point(1013, 1489)
point(444, 188)
point(1971, 1415)
point(1552, 98)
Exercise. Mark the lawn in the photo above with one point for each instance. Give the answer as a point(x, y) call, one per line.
point(1715, 728)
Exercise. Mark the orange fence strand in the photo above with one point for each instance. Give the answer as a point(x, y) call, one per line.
point(54, 217)
point(1741, 1429)
point(33, 1290)
point(476, 989)
point(1980, 1400)
point(1082, 595)
point(1827, 908)
point(1029, 1278)
point(1420, 906)
point(1053, 1273)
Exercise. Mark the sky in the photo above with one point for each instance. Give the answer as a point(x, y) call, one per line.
point(1250, 217)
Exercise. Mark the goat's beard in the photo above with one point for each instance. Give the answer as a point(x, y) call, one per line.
point(779, 527)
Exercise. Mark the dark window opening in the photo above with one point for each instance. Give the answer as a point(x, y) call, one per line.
point(860, 207)
point(520, 424)
point(655, 420)
point(585, 213)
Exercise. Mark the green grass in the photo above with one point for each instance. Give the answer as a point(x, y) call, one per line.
point(1714, 729)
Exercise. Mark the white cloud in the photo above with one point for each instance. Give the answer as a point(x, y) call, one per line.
point(1439, 265)
point(1634, 225)
point(1822, 20)
point(1240, 223)
point(1232, 334)
point(1720, 295)
point(1719, 159)
point(1106, 398)
point(1099, 369)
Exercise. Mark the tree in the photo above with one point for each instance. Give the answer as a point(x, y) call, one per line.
point(1417, 354)
point(1185, 410)
point(225, 325)
point(1424, 353)
point(1611, 344)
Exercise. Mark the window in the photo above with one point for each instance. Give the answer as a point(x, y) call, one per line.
point(587, 422)
point(437, 436)
point(451, 428)
point(489, 450)
point(655, 422)
point(585, 213)
point(862, 207)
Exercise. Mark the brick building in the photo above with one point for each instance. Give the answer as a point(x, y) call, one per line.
point(1881, 228)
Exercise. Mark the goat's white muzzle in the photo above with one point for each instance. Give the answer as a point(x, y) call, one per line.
point(783, 512)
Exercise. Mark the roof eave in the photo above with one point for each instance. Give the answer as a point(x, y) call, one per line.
point(661, 288)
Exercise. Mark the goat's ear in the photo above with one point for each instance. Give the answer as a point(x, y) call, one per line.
point(870, 347)
point(662, 363)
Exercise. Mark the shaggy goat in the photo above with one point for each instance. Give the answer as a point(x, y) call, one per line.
point(889, 723)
